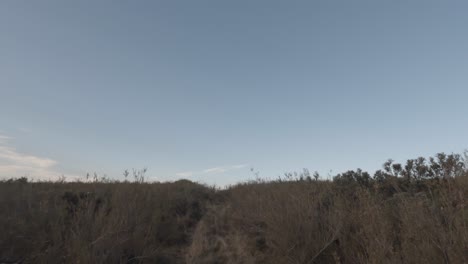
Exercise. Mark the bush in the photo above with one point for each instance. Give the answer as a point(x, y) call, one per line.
point(403, 214)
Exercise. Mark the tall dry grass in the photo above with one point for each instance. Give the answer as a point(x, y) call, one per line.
point(319, 222)
point(416, 213)
point(99, 222)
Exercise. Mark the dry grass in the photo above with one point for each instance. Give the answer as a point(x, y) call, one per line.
point(318, 222)
point(388, 218)
point(99, 222)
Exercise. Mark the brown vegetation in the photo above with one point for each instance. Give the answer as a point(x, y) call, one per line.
point(416, 213)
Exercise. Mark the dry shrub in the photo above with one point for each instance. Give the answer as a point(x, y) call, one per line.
point(321, 222)
point(99, 222)
point(217, 241)
point(410, 214)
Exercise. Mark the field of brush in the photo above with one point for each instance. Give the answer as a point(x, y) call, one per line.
point(411, 213)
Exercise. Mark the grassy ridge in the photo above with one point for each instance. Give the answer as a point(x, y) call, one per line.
point(412, 213)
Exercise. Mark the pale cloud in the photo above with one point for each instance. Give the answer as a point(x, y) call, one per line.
point(4, 139)
point(214, 170)
point(14, 164)
point(240, 166)
point(184, 174)
point(11, 156)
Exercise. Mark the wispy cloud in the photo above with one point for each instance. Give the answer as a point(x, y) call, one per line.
point(4, 139)
point(214, 170)
point(16, 164)
point(185, 174)
point(240, 166)
point(11, 156)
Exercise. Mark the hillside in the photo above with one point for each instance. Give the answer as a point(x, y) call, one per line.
point(410, 213)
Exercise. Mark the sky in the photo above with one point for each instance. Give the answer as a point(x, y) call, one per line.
point(207, 90)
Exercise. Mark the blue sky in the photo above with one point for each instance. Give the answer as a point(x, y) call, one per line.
point(205, 90)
